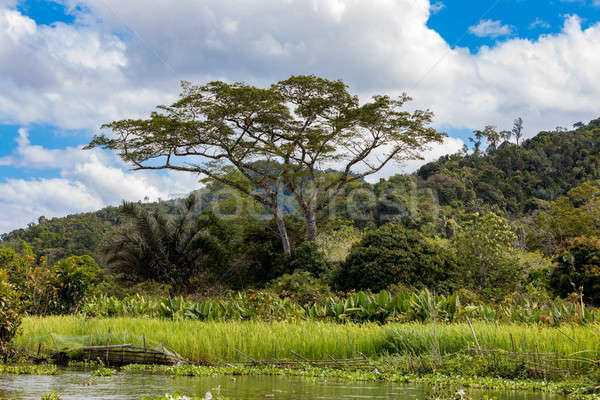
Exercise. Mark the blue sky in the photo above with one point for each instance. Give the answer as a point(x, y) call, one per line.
point(67, 67)
point(526, 19)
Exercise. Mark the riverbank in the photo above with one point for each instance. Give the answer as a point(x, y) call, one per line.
point(220, 342)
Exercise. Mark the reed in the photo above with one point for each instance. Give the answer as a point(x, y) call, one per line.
point(238, 341)
point(209, 341)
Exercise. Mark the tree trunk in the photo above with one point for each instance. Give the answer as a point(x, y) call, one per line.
point(311, 225)
point(285, 240)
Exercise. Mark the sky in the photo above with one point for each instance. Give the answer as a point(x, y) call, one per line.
point(68, 66)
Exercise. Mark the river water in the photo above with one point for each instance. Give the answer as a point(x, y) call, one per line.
point(76, 386)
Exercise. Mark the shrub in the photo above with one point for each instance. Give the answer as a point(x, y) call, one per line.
point(336, 238)
point(395, 255)
point(34, 281)
point(487, 258)
point(74, 277)
point(537, 271)
point(10, 312)
point(578, 269)
point(308, 257)
point(48, 290)
point(260, 257)
point(302, 287)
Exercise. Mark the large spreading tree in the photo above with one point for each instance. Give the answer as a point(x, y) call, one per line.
point(264, 141)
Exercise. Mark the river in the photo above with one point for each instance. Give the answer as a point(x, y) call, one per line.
point(75, 385)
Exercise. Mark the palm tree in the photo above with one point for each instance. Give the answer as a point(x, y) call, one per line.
point(168, 249)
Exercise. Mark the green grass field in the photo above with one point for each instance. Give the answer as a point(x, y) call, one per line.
point(218, 341)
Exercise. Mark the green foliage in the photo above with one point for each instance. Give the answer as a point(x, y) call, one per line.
point(546, 186)
point(58, 238)
point(35, 281)
point(10, 310)
point(301, 287)
point(49, 290)
point(214, 394)
point(578, 269)
point(538, 269)
point(256, 254)
point(395, 255)
point(576, 214)
point(103, 372)
point(28, 369)
point(291, 300)
point(156, 246)
point(308, 257)
point(336, 238)
point(247, 305)
point(486, 256)
point(304, 121)
point(217, 342)
point(508, 176)
point(74, 277)
point(51, 396)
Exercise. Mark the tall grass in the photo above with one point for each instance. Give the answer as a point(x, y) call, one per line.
point(220, 341)
point(209, 341)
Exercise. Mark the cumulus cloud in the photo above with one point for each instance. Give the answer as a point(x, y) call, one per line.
point(449, 146)
point(23, 201)
point(63, 75)
point(88, 180)
point(117, 62)
point(119, 59)
point(489, 28)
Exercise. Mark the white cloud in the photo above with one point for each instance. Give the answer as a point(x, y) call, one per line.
point(89, 180)
point(539, 23)
point(114, 63)
point(489, 28)
point(23, 201)
point(449, 146)
point(63, 75)
point(437, 7)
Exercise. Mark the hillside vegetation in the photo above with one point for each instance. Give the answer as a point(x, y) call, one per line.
point(515, 181)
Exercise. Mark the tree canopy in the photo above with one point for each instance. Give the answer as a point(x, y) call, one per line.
point(279, 138)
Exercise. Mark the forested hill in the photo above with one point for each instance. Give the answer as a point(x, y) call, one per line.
point(77, 234)
point(514, 178)
point(510, 178)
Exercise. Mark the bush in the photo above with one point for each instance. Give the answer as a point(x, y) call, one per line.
point(47, 290)
point(578, 269)
point(301, 287)
point(10, 312)
point(34, 281)
point(74, 277)
point(259, 254)
point(395, 255)
point(308, 257)
point(336, 238)
point(537, 271)
point(488, 261)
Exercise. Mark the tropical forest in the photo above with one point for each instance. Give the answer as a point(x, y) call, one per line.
point(478, 272)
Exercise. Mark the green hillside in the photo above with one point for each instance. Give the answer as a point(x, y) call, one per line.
point(516, 181)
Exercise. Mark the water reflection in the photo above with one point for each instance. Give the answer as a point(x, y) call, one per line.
point(72, 386)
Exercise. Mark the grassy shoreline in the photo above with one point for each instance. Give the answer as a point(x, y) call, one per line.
point(217, 341)
point(398, 353)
